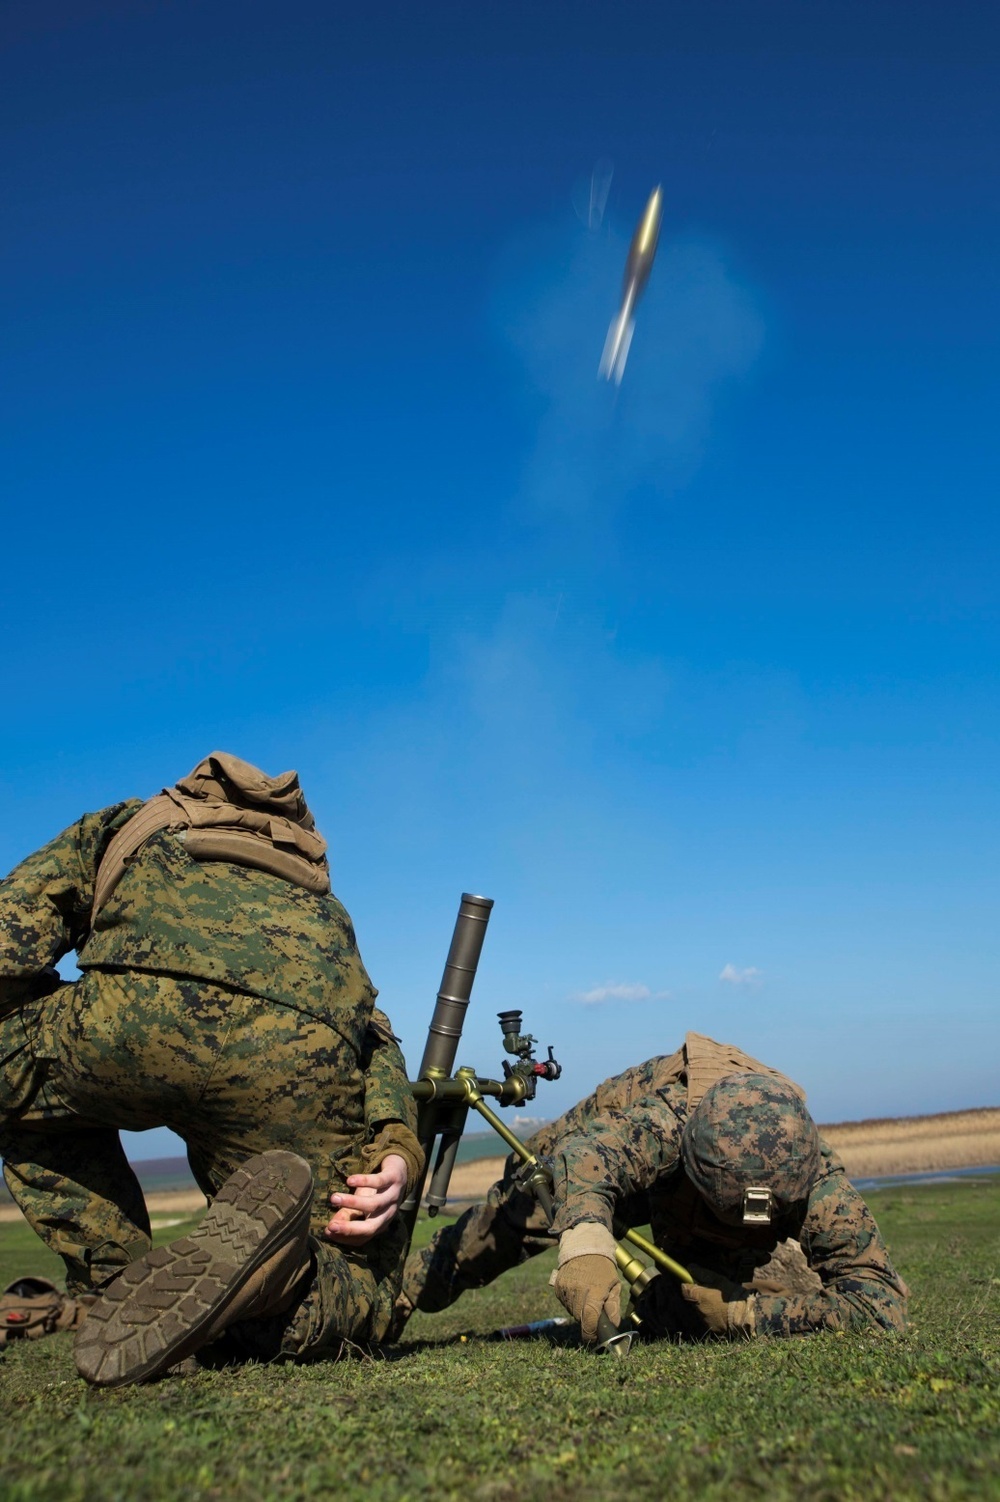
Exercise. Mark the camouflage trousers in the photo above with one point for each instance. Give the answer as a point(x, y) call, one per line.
point(232, 1075)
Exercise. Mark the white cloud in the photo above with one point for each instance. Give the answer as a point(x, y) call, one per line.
point(619, 992)
point(734, 976)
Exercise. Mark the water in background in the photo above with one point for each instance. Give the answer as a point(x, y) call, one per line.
point(935, 1176)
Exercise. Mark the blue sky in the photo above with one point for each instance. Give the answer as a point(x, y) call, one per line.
point(305, 456)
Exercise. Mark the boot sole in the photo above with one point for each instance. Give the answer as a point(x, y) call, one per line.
point(152, 1315)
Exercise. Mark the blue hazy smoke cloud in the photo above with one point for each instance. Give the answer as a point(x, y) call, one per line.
point(696, 328)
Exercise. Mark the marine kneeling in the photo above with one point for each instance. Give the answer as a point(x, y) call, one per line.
point(222, 995)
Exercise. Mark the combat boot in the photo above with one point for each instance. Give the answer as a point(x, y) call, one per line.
point(245, 1260)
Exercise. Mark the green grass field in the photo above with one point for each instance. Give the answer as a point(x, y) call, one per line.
point(451, 1414)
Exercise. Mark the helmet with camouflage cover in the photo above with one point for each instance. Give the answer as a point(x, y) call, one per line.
point(751, 1148)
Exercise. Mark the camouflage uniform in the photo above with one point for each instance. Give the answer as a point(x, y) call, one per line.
point(218, 1000)
point(616, 1160)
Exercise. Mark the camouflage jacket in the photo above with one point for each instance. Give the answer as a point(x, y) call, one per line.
point(616, 1161)
point(227, 924)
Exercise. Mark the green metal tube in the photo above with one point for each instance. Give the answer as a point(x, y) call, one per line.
point(660, 1258)
point(509, 1092)
point(502, 1130)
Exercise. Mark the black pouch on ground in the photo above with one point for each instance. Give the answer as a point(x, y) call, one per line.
point(32, 1307)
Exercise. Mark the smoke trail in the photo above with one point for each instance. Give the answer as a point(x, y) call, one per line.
point(696, 329)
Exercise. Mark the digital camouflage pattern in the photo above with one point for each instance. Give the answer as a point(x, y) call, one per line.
point(750, 1130)
point(390, 1111)
point(286, 1051)
point(616, 1161)
point(210, 920)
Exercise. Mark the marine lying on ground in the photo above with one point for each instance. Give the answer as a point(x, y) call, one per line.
point(718, 1153)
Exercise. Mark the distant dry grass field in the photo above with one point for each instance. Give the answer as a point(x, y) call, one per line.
point(163, 1208)
point(870, 1149)
point(917, 1144)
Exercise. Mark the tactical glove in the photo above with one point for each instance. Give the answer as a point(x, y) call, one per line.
point(727, 1308)
point(586, 1286)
